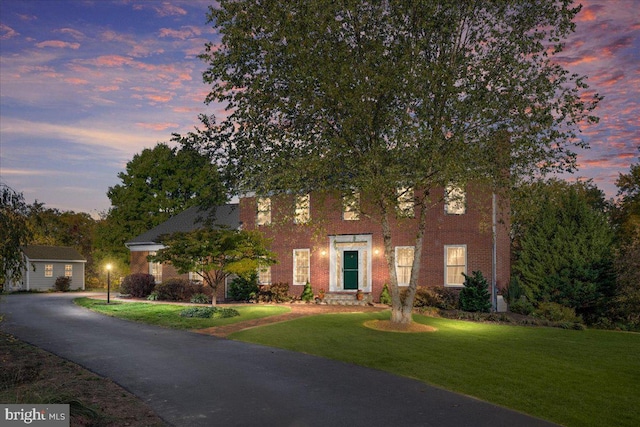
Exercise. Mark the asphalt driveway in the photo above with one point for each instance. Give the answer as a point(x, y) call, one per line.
point(191, 379)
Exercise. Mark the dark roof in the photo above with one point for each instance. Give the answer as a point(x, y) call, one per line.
point(52, 253)
point(189, 220)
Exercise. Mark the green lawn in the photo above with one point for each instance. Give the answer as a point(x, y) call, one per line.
point(574, 378)
point(168, 314)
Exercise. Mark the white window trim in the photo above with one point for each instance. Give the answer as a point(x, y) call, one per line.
point(68, 270)
point(406, 202)
point(446, 275)
point(266, 269)
point(295, 267)
point(302, 209)
point(157, 266)
point(263, 211)
point(351, 207)
point(48, 270)
point(397, 266)
point(455, 200)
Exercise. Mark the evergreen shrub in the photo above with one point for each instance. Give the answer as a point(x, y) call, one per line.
point(475, 295)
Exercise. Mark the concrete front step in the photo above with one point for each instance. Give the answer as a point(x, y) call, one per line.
point(346, 298)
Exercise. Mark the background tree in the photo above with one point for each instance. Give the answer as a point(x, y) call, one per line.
point(625, 306)
point(14, 233)
point(334, 96)
point(215, 254)
point(564, 253)
point(157, 184)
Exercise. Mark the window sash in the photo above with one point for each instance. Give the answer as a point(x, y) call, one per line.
point(351, 207)
point(455, 200)
point(155, 269)
point(48, 270)
point(264, 275)
point(406, 202)
point(301, 266)
point(263, 216)
point(404, 264)
point(68, 270)
point(455, 265)
point(303, 209)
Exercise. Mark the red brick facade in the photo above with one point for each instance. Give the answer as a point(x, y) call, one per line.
point(472, 229)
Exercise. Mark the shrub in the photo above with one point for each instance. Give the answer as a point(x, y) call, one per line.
point(63, 284)
point(208, 312)
point(175, 289)
point(153, 296)
point(200, 298)
point(244, 288)
point(555, 312)
point(475, 294)
point(276, 292)
point(521, 306)
point(442, 298)
point(138, 285)
point(385, 297)
point(307, 293)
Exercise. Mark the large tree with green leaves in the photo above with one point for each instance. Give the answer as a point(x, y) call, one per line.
point(215, 254)
point(564, 246)
point(14, 233)
point(325, 95)
point(157, 184)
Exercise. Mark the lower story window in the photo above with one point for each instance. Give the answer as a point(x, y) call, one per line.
point(155, 269)
point(264, 275)
point(301, 268)
point(68, 270)
point(455, 259)
point(48, 270)
point(404, 263)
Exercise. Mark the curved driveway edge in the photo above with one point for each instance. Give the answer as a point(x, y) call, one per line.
point(192, 379)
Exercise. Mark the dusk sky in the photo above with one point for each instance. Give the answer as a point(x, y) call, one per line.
point(86, 84)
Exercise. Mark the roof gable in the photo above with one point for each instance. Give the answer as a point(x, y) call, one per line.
point(52, 253)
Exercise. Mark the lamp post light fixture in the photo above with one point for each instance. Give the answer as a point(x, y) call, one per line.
point(108, 283)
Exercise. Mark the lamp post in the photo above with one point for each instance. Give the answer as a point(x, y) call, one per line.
point(108, 283)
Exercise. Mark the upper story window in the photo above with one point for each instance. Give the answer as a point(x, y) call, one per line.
point(301, 266)
point(404, 264)
point(455, 260)
point(406, 202)
point(455, 200)
point(68, 270)
point(351, 207)
point(303, 209)
point(48, 270)
point(264, 211)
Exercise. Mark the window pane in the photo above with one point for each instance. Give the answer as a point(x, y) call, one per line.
point(264, 275)
point(264, 211)
point(301, 266)
point(351, 207)
point(68, 270)
point(454, 275)
point(404, 264)
point(455, 200)
point(455, 256)
point(302, 214)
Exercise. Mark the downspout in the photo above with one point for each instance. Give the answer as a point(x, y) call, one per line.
point(494, 252)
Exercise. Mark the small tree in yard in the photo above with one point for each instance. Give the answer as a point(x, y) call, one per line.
point(215, 254)
point(475, 295)
point(379, 97)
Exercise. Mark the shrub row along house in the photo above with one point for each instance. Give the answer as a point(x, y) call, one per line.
point(329, 241)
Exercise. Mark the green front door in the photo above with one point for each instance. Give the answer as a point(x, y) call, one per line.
point(350, 270)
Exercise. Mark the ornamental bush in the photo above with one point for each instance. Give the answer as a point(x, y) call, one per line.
point(442, 298)
point(63, 284)
point(200, 298)
point(209, 312)
point(276, 292)
point(138, 285)
point(475, 294)
point(307, 293)
point(244, 288)
point(385, 297)
point(175, 289)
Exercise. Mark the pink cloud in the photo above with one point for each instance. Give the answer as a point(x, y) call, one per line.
point(76, 81)
point(58, 44)
point(7, 32)
point(183, 34)
point(167, 9)
point(112, 61)
point(112, 88)
point(73, 33)
point(158, 126)
point(27, 18)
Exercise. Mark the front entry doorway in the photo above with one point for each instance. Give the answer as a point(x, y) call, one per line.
point(350, 270)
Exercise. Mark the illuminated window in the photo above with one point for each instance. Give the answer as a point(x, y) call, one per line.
point(264, 211)
point(155, 269)
point(406, 202)
point(48, 270)
point(264, 275)
point(455, 264)
point(303, 209)
point(404, 263)
point(68, 270)
point(301, 269)
point(351, 207)
point(455, 200)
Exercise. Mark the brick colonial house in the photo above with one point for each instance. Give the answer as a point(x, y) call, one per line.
point(326, 241)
